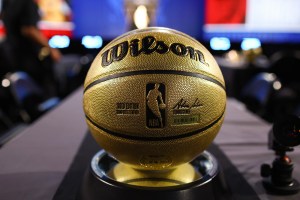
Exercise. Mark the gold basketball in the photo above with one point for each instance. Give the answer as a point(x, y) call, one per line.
point(154, 98)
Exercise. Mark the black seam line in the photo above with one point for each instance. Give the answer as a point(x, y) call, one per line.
point(130, 137)
point(142, 72)
point(154, 179)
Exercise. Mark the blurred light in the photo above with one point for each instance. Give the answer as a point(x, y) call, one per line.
point(59, 41)
point(140, 17)
point(5, 83)
point(220, 43)
point(233, 56)
point(270, 77)
point(250, 43)
point(277, 85)
point(92, 42)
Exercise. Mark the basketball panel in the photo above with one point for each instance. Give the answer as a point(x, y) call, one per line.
point(120, 105)
point(154, 155)
point(190, 53)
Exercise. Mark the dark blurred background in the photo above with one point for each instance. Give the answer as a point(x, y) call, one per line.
point(255, 44)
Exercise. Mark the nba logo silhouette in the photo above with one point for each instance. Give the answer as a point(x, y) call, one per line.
point(155, 100)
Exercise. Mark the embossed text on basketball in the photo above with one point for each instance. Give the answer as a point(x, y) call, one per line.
point(149, 45)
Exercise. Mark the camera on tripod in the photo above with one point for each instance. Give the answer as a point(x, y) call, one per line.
point(284, 135)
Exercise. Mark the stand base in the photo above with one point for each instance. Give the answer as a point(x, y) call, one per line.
point(293, 188)
point(99, 184)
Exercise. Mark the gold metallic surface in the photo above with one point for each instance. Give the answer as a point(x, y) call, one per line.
point(159, 178)
point(155, 60)
point(158, 104)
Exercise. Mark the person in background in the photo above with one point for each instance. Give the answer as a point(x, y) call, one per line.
point(29, 50)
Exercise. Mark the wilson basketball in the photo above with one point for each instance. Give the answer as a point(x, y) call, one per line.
point(154, 98)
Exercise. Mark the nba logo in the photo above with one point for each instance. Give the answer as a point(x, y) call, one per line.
point(155, 100)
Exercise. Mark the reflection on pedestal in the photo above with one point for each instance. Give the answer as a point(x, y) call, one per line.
point(109, 179)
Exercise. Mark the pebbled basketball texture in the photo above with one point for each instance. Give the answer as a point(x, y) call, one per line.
point(154, 98)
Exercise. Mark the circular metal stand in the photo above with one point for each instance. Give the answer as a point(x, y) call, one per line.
point(99, 181)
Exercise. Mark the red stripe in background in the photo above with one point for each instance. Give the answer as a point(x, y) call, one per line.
point(47, 32)
point(50, 33)
point(225, 11)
